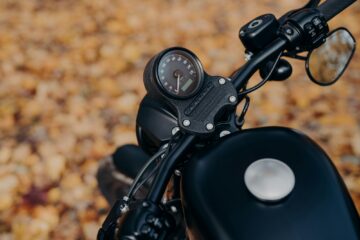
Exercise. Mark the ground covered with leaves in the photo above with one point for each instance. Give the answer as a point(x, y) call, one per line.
point(71, 82)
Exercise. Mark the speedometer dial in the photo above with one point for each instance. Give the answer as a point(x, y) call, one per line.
point(179, 73)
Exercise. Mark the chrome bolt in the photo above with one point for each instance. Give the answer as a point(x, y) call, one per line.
point(173, 209)
point(224, 133)
point(209, 126)
point(232, 99)
point(177, 172)
point(222, 81)
point(124, 208)
point(186, 123)
point(289, 31)
point(175, 130)
point(126, 198)
point(248, 56)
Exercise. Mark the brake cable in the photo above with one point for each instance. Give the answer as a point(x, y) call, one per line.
point(260, 84)
point(137, 183)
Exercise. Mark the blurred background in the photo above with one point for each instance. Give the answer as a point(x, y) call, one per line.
point(71, 83)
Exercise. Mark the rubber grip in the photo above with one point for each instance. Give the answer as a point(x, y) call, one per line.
point(331, 8)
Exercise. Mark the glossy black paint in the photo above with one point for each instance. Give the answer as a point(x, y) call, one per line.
point(154, 123)
point(217, 204)
point(282, 71)
point(259, 32)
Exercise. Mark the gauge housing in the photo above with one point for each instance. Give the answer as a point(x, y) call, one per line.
point(199, 109)
point(188, 67)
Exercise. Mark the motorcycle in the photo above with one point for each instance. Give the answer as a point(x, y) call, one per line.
point(197, 174)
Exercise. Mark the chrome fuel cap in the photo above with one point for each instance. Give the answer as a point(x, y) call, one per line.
point(269, 179)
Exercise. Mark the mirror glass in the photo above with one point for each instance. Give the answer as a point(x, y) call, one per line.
point(327, 63)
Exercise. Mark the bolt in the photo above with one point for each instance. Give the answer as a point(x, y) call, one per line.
point(177, 172)
point(222, 81)
point(145, 204)
point(186, 123)
point(232, 99)
point(175, 130)
point(209, 126)
point(248, 56)
point(289, 31)
point(124, 208)
point(224, 133)
point(126, 198)
point(173, 209)
point(242, 33)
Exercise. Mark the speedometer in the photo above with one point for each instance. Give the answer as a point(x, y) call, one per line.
point(179, 73)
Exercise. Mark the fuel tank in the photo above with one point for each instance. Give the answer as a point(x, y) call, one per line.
point(220, 204)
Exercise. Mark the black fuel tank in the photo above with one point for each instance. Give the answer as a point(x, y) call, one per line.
point(218, 206)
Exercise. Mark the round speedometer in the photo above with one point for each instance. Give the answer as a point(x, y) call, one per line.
point(179, 73)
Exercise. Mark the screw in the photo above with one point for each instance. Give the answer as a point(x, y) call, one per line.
point(126, 198)
point(222, 81)
point(186, 123)
point(124, 208)
point(209, 126)
point(175, 130)
point(242, 33)
point(224, 133)
point(248, 56)
point(232, 99)
point(289, 31)
point(177, 172)
point(173, 209)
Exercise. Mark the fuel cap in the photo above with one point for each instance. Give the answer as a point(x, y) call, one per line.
point(269, 180)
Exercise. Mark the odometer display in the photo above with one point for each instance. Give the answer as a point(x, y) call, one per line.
point(179, 73)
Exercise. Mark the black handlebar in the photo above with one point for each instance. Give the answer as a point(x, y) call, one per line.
point(331, 8)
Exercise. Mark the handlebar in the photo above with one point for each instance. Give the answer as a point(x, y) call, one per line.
point(331, 8)
point(241, 77)
point(328, 9)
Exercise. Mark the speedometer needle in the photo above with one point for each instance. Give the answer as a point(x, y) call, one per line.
point(177, 84)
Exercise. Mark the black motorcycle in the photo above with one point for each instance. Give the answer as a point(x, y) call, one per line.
point(209, 179)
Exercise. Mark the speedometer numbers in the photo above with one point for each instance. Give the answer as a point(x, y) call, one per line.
point(179, 73)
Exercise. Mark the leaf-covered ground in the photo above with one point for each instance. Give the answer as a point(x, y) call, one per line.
point(71, 82)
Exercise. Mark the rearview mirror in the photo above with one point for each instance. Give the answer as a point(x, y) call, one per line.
point(326, 64)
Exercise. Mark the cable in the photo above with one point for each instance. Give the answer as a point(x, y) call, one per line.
point(143, 170)
point(135, 186)
point(153, 171)
point(247, 91)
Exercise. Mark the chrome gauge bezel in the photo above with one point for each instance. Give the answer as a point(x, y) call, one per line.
point(194, 60)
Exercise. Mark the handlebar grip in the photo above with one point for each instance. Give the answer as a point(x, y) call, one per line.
point(331, 8)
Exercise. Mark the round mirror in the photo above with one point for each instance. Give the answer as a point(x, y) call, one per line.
point(327, 63)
